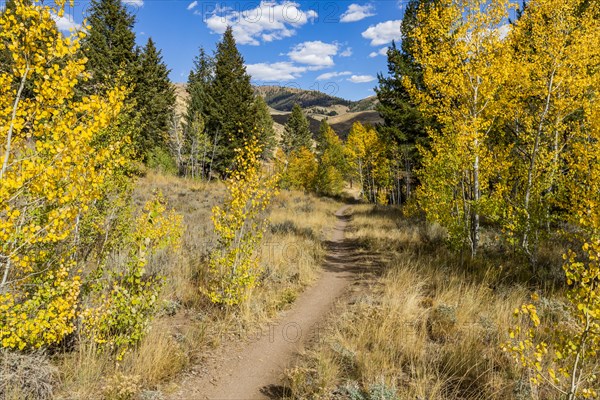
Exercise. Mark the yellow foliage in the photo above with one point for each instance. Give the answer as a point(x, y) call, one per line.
point(565, 359)
point(301, 172)
point(556, 47)
point(239, 225)
point(465, 65)
point(46, 317)
point(332, 164)
point(62, 186)
point(52, 172)
point(368, 162)
point(119, 310)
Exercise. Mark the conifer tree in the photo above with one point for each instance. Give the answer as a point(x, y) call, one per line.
point(155, 96)
point(321, 136)
point(404, 124)
point(199, 145)
point(110, 43)
point(199, 81)
point(264, 126)
point(232, 114)
point(296, 134)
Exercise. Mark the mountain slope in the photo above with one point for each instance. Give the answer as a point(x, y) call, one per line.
point(340, 113)
point(283, 98)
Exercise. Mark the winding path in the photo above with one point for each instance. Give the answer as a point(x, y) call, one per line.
point(254, 370)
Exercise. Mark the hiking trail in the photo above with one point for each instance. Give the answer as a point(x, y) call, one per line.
point(254, 369)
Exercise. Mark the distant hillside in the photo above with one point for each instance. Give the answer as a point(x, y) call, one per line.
point(366, 104)
point(283, 98)
point(341, 124)
point(181, 97)
point(312, 122)
point(340, 113)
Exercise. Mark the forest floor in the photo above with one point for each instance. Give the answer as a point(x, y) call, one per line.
point(253, 368)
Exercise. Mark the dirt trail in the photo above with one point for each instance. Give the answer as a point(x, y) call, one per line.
point(254, 370)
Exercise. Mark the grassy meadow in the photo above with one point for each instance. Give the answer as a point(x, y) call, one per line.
point(188, 325)
point(421, 324)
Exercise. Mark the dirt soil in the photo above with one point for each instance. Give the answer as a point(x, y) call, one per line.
point(254, 369)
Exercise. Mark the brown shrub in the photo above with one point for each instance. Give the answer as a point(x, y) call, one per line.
point(26, 376)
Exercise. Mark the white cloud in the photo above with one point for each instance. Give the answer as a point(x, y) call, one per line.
point(346, 53)
point(380, 52)
point(503, 31)
point(361, 78)
point(357, 12)
point(192, 5)
point(329, 75)
point(279, 71)
point(137, 3)
point(268, 21)
point(315, 53)
point(65, 23)
point(383, 33)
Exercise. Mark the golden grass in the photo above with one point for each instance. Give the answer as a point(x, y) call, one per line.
point(420, 325)
point(291, 254)
point(187, 324)
point(159, 357)
point(82, 373)
point(423, 328)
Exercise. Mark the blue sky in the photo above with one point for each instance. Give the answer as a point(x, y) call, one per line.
point(337, 47)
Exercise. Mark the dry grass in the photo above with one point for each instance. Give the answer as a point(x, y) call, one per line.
point(421, 326)
point(83, 373)
point(424, 328)
point(188, 325)
point(26, 376)
point(292, 251)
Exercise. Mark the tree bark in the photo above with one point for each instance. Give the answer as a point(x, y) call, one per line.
point(12, 122)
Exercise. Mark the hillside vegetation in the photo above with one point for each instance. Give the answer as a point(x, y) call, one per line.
point(283, 98)
point(340, 113)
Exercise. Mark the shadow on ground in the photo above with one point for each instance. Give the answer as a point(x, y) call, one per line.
point(350, 257)
point(276, 392)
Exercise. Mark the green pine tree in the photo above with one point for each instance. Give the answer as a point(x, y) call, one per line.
point(155, 97)
point(321, 138)
point(109, 44)
point(296, 133)
point(200, 80)
point(232, 112)
point(404, 126)
point(200, 144)
point(264, 127)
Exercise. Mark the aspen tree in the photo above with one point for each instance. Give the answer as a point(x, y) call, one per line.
point(556, 45)
point(465, 65)
point(52, 171)
point(240, 224)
